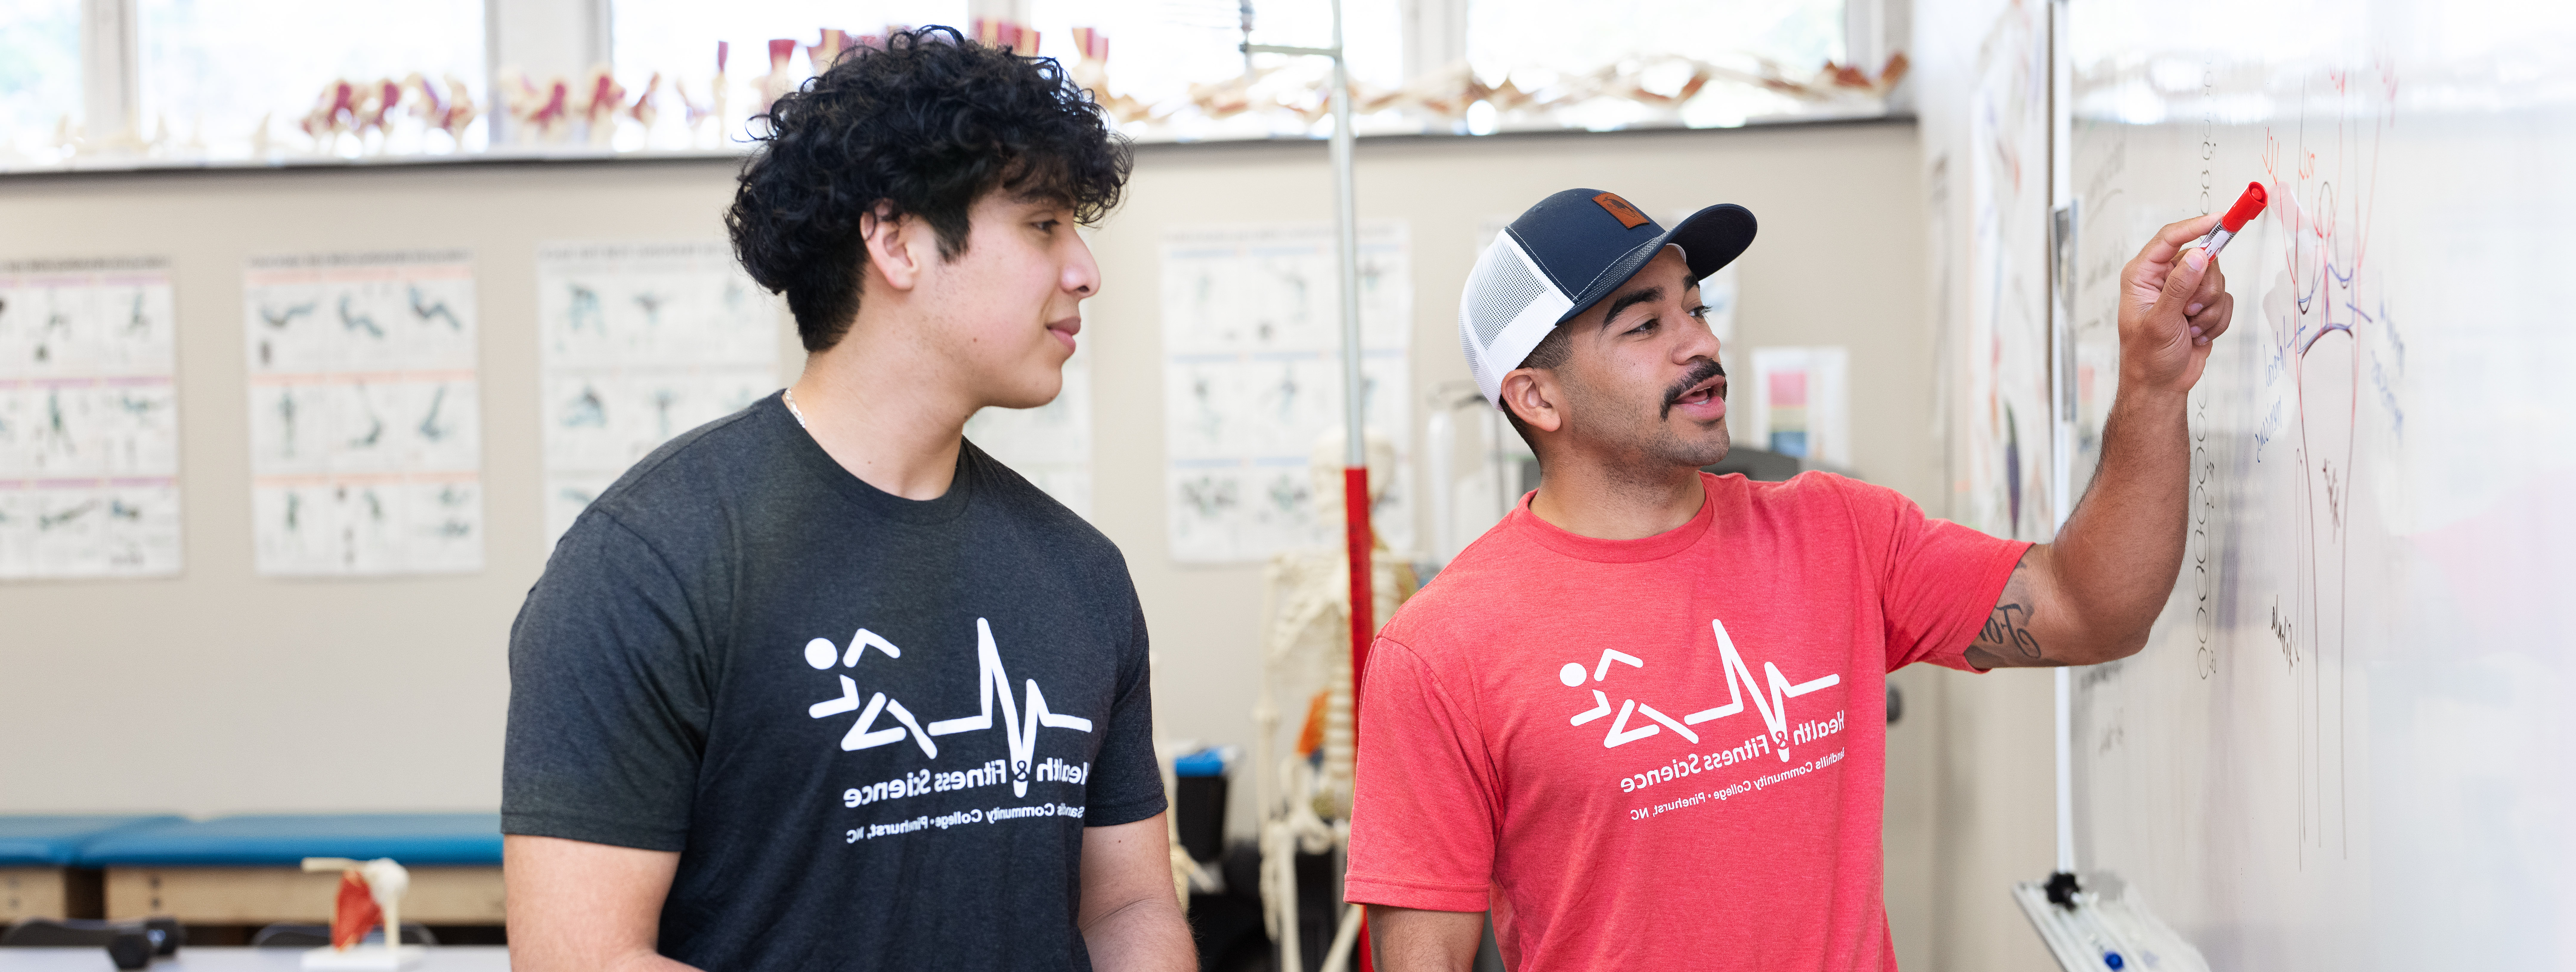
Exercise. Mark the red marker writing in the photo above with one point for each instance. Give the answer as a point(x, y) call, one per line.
point(2247, 207)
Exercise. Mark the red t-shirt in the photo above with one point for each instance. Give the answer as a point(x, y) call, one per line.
point(1668, 752)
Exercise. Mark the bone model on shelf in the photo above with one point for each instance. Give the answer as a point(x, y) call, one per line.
point(780, 79)
point(827, 48)
point(542, 111)
point(1297, 90)
point(373, 108)
point(645, 111)
point(450, 114)
point(604, 98)
point(693, 113)
point(1092, 74)
point(995, 32)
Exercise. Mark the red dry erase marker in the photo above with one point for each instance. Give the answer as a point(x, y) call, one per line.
point(2247, 207)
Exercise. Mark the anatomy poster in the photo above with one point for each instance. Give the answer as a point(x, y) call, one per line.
point(89, 420)
point(641, 341)
point(1253, 379)
point(365, 418)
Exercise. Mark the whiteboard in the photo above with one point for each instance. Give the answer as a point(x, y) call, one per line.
point(2348, 744)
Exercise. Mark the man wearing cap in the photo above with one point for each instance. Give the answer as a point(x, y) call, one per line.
point(1638, 719)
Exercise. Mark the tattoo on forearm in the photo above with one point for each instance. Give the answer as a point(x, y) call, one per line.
point(2009, 627)
point(2006, 639)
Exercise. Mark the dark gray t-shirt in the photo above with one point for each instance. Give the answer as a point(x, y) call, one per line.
point(874, 728)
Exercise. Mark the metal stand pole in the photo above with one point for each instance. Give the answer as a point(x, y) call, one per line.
point(1355, 491)
point(1357, 534)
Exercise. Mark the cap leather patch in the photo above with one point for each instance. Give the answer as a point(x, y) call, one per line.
point(1627, 215)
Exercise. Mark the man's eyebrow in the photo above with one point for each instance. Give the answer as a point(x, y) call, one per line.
point(1041, 197)
point(1630, 299)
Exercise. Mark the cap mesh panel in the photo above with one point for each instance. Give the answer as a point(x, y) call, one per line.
point(1499, 289)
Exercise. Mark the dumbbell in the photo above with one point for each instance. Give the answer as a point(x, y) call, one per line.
point(130, 944)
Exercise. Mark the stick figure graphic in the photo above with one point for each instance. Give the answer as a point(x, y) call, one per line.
point(820, 654)
point(1573, 675)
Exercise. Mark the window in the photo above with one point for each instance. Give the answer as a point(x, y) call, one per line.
point(237, 79)
point(1159, 49)
point(1542, 50)
point(274, 80)
point(40, 70)
point(1173, 71)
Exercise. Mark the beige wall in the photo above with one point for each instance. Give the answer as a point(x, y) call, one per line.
point(221, 691)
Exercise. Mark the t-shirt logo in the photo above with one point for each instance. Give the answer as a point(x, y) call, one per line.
point(1774, 710)
point(1627, 215)
point(1019, 727)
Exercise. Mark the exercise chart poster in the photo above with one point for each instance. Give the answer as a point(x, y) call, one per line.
point(89, 430)
point(1252, 341)
point(641, 341)
point(365, 415)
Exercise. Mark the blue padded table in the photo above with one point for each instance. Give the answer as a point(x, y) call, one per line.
point(248, 869)
point(196, 958)
point(38, 854)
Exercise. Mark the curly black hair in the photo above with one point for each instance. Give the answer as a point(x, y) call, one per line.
point(926, 124)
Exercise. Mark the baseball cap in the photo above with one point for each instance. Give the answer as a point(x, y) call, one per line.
point(1563, 256)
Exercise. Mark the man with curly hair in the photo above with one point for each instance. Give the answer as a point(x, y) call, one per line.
point(820, 684)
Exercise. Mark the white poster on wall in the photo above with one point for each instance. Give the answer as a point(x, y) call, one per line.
point(1253, 378)
point(89, 420)
point(641, 341)
point(366, 426)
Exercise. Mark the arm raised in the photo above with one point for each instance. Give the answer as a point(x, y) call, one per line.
point(581, 907)
point(2092, 595)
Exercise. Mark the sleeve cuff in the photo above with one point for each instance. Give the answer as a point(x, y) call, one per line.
point(1998, 573)
point(611, 833)
point(1420, 895)
point(1123, 813)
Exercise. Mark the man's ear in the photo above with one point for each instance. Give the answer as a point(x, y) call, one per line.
point(894, 243)
point(1534, 396)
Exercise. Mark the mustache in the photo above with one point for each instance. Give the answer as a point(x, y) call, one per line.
point(1706, 369)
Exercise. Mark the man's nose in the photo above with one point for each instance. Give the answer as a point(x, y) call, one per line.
point(1698, 342)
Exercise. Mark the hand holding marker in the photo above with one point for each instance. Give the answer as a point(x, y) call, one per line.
point(2247, 207)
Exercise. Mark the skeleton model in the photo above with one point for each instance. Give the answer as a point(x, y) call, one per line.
point(1304, 797)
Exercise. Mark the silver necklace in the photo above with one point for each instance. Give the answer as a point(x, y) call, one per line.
point(790, 398)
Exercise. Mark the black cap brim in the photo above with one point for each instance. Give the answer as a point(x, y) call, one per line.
point(1710, 239)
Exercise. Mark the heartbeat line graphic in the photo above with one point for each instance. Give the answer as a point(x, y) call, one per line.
point(1021, 732)
point(1020, 729)
point(1775, 716)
